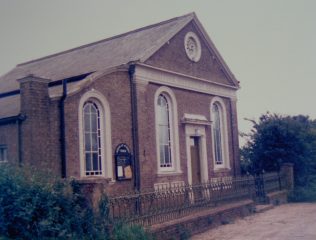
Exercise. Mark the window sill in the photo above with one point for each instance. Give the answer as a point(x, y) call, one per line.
point(221, 169)
point(170, 173)
point(90, 180)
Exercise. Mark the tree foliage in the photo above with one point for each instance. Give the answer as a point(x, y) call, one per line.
point(277, 139)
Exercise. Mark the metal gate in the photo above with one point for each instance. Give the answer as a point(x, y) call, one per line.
point(259, 189)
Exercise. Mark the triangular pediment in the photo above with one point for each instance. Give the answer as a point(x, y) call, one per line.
point(173, 56)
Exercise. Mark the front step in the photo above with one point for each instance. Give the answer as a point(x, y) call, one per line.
point(263, 207)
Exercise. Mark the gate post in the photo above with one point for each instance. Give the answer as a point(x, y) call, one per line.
point(287, 175)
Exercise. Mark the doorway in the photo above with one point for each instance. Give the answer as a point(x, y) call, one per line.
point(195, 160)
point(197, 166)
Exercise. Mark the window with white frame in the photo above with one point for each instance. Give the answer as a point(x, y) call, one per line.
point(167, 136)
point(3, 153)
point(92, 139)
point(163, 122)
point(95, 136)
point(219, 133)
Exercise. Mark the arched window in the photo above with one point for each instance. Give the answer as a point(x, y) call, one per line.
point(167, 136)
point(163, 122)
point(219, 134)
point(92, 139)
point(95, 136)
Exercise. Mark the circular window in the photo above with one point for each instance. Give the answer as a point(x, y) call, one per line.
point(192, 46)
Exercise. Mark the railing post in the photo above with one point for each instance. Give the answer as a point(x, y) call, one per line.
point(221, 192)
point(137, 203)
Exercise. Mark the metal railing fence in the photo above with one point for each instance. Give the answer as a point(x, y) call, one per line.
point(151, 206)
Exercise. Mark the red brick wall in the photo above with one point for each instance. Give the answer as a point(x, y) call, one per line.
point(35, 105)
point(9, 137)
point(40, 145)
point(41, 134)
point(41, 129)
point(54, 137)
point(188, 102)
point(235, 137)
point(116, 89)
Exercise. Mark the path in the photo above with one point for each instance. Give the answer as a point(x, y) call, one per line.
point(285, 222)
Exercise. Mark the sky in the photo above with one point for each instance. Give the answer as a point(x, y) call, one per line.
point(269, 45)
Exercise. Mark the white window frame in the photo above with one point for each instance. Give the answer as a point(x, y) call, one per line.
point(105, 127)
point(3, 153)
point(174, 132)
point(97, 118)
point(224, 134)
point(164, 128)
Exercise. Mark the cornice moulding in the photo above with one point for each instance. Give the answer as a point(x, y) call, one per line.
point(146, 73)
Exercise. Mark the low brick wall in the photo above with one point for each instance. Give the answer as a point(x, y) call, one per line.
point(202, 221)
point(277, 198)
point(205, 220)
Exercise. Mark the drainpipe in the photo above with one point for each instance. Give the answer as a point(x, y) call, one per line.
point(19, 121)
point(131, 72)
point(62, 130)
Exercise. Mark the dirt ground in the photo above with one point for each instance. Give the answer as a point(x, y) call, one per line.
point(285, 222)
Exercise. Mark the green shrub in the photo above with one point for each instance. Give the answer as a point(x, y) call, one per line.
point(37, 205)
point(184, 233)
point(122, 232)
point(304, 193)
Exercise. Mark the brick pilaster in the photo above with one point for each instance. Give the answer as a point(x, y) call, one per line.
point(35, 106)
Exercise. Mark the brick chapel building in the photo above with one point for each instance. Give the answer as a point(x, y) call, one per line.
point(154, 107)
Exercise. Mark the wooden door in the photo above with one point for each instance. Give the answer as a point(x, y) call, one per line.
point(195, 160)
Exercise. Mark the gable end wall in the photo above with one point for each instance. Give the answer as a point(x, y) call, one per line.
point(172, 56)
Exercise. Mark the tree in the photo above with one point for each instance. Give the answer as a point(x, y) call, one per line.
point(277, 139)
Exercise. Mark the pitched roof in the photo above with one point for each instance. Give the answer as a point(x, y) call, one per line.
point(97, 57)
point(132, 46)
